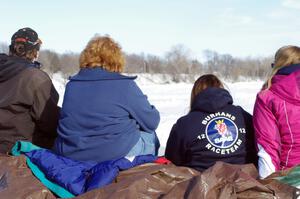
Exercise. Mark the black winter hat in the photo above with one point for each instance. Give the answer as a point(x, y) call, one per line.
point(27, 36)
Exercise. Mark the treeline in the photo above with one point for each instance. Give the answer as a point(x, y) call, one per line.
point(177, 61)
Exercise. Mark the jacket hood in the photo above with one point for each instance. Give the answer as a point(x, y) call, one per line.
point(96, 74)
point(286, 84)
point(212, 100)
point(11, 66)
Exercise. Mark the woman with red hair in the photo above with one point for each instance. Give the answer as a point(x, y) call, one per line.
point(105, 115)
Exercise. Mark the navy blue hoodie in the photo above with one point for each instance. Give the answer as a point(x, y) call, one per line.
point(214, 130)
point(102, 116)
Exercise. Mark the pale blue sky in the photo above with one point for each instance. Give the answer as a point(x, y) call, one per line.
point(239, 27)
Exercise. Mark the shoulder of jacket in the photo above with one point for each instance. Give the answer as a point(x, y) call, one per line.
point(240, 112)
point(36, 73)
point(128, 83)
point(266, 97)
point(36, 77)
point(237, 108)
point(128, 87)
point(185, 121)
point(265, 94)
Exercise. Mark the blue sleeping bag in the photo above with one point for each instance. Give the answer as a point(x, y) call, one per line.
point(68, 178)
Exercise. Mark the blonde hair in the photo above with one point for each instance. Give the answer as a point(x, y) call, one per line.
point(285, 56)
point(203, 82)
point(104, 52)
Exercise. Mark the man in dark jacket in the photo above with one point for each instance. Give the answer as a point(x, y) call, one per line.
point(28, 100)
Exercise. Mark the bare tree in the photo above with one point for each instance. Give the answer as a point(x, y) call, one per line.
point(196, 67)
point(178, 60)
point(50, 60)
point(234, 68)
point(154, 64)
point(135, 63)
point(3, 48)
point(69, 63)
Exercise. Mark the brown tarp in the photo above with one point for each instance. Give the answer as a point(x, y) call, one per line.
point(168, 182)
point(17, 181)
point(154, 181)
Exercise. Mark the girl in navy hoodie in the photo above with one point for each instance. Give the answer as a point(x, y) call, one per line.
point(213, 130)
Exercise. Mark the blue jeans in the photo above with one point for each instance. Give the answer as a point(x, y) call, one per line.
point(147, 144)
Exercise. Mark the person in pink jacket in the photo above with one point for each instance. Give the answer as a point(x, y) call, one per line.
point(276, 115)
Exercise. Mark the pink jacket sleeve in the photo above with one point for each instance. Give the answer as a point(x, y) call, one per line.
point(267, 138)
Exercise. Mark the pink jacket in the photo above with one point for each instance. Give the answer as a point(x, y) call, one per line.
point(276, 122)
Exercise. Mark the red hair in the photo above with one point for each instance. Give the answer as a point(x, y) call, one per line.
point(104, 52)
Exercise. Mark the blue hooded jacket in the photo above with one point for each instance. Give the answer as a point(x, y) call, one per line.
point(102, 116)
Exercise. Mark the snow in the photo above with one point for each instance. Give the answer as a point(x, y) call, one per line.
point(172, 99)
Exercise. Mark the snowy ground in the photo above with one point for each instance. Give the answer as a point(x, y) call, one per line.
point(172, 100)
